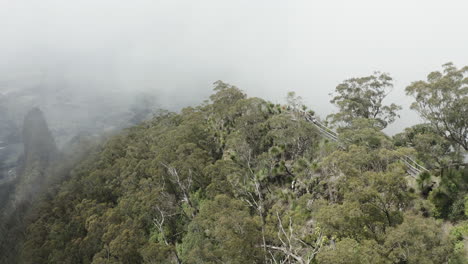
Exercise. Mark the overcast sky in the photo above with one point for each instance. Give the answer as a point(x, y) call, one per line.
point(267, 48)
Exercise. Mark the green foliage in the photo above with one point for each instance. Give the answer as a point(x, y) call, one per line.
point(223, 231)
point(349, 251)
point(417, 240)
point(363, 98)
point(434, 150)
point(371, 204)
point(459, 238)
point(442, 100)
point(449, 197)
point(241, 180)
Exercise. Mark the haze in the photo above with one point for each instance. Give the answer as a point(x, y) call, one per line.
point(110, 51)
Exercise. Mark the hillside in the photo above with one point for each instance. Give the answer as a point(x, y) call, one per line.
point(241, 180)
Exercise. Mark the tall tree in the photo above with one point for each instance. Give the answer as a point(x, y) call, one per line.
point(442, 100)
point(363, 98)
point(431, 148)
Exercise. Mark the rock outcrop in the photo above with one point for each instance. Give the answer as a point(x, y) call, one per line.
point(40, 151)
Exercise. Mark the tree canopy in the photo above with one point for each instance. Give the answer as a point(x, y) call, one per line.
point(442, 100)
point(363, 98)
point(242, 180)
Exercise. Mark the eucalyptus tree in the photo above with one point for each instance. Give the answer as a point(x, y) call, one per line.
point(442, 100)
point(363, 98)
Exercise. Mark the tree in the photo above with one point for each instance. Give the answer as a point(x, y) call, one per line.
point(417, 240)
point(226, 95)
point(449, 196)
point(223, 232)
point(292, 237)
point(349, 251)
point(240, 180)
point(363, 98)
point(372, 203)
point(431, 148)
point(442, 100)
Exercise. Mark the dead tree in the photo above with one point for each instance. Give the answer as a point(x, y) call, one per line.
point(292, 247)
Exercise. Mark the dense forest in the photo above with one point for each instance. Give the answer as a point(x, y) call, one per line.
point(242, 180)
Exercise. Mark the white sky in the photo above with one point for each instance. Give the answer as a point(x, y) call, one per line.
point(267, 48)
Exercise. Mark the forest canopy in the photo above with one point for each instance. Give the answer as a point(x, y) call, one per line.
point(243, 180)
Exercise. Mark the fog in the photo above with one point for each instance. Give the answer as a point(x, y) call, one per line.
point(78, 59)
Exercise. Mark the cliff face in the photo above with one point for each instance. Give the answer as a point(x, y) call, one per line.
point(40, 151)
